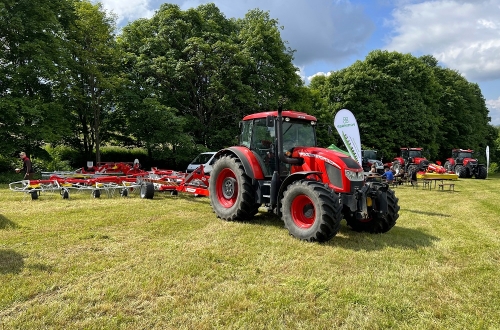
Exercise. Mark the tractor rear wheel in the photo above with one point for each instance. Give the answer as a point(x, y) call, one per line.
point(481, 173)
point(311, 211)
point(230, 189)
point(377, 223)
point(461, 171)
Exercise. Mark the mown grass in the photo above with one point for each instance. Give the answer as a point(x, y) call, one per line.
point(169, 263)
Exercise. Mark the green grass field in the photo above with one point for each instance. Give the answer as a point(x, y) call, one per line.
point(169, 263)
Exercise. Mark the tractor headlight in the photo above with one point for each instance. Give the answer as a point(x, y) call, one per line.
point(354, 176)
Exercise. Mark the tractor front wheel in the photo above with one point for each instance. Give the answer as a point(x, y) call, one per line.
point(448, 167)
point(461, 171)
point(411, 170)
point(230, 189)
point(377, 223)
point(311, 211)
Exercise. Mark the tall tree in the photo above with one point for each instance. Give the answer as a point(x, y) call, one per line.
point(207, 69)
point(32, 59)
point(90, 79)
point(463, 109)
point(394, 98)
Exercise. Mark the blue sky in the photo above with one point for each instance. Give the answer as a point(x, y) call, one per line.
point(329, 35)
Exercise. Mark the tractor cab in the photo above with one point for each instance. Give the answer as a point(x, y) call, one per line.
point(461, 154)
point(259, 132)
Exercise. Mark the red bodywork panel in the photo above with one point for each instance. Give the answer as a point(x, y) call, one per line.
point(254, 163)
point(315, 159)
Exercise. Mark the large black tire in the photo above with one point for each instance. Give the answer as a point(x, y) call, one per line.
point(482, 173)
point(448, 167)
point(412, 169)
point(311, 211)
point(377, 223)
point(461, 171)
point(147, 190)
point(396, 166)
point(230, 189)
point(34, 194)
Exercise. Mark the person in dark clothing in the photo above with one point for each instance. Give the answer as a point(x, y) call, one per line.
point(27, 167)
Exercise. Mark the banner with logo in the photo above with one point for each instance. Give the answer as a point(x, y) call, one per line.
point(487, 160)
point(347, 126)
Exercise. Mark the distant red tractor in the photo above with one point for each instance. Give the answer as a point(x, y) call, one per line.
point(464, 165)
point(278, 165)
point(410, 160)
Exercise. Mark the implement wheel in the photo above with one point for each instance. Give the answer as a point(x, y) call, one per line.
point(311, 211)
point(147, 190)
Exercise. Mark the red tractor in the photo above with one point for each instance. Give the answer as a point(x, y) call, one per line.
point(462, 163)
point(411, 160)
point(278, 165)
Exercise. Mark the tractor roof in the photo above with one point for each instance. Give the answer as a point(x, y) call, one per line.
point(463, 150)
point(417, 149)
point(285, 113)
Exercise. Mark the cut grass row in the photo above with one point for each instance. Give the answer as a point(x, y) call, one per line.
point(169, 263)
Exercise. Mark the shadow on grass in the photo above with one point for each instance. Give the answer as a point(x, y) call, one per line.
point(398, 237)
point(10, 262)
point(6, 223)
point(428, 213)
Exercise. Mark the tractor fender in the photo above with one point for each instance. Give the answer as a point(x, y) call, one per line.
point(248, 160)
point(288, 181)
point(400, 160)
point(451, 161)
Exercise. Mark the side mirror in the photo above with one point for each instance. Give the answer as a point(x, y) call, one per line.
point(270, 121)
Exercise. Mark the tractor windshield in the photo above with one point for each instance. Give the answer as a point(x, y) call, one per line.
point(463, 155)
point(298, 133)
point(415, 153)
point(369, 154)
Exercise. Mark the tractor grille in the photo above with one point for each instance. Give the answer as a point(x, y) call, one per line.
point(334, 175)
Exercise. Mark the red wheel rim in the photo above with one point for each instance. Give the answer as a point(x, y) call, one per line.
point(303, 211)
point(226, 188)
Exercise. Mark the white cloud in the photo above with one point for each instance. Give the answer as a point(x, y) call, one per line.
point(326, 74)
point(494, 108)
point(128, 10)
point(463, 35)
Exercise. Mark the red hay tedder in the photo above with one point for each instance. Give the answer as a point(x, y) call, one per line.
point(112, 178)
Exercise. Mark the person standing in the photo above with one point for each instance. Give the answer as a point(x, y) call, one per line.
point(27, 167)
point(388, 175)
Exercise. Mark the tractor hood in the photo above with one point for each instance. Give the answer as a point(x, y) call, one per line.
point(311, 155)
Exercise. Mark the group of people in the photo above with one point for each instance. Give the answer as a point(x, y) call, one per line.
point(388, 175)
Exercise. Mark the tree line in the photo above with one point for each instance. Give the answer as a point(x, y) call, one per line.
point(179, 83)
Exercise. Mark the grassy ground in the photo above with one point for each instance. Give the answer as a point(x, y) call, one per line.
point(169, 263)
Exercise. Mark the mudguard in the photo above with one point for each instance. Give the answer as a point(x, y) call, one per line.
point(248, 160)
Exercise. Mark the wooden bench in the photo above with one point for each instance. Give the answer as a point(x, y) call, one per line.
point(451, 186)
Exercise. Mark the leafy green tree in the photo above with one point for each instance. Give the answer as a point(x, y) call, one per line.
point(91, 77)
point(32, 60)
point(394, 98)
point(463, 111)
point(268, 73)
point(205, 69)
